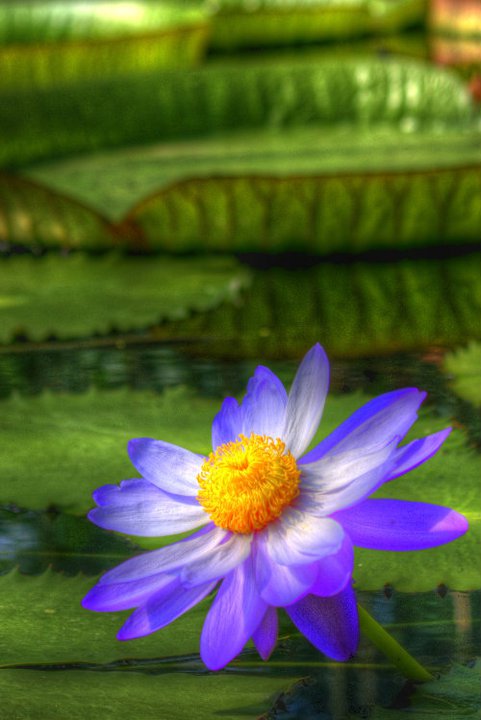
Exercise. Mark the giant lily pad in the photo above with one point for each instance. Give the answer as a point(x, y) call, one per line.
point(35, 215)
point(434, 302)
point(380, 169)
point(49, 21)
point(87, 435)
point(47, 43)
point(239, 23)
point(278, 93)
point(78, 296)
point(47, 610)
point(37, 695)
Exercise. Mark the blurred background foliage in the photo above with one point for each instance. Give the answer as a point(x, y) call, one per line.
point(190, 188)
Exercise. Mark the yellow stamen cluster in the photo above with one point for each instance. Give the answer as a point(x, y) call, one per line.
point(246, 484)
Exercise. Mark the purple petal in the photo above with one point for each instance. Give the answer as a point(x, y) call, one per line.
point(124, 596)
point(137, 507)
point(281, 585)
point(331, 624)
point(306, 401)
point(415, 453)
point(297, 538)
point(235, 615)
point(227, 424)
point(264, 406)
point(334, 571)
point(218, 562)
point(162, 608)
point(167, 558)
point(265, 637)
point(375, 423)
point(401, 525)
point(171, 468)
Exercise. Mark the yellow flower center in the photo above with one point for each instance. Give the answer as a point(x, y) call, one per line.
point(246, 484)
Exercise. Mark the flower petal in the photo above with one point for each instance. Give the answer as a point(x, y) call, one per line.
point(227, 424)
point(376, 423)
point(401, 525)
point(170, 557)
point(218, 562)
point(264, 406)
point(334, 571)
point(334, 472)
point(171, 468)
point(162, 608)
point(298, 538)
point(331, 624)
point(341, 491)
point(306, 401)
point(137, 507)
point(409, 456)
point(281, 585)
point(124, 596)
point(265, 637)
point(235, 615)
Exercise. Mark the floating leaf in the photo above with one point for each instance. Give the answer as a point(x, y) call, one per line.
point(77, 296)
point(36, 695)
point(464, 368)
point(342, 212)
point(275, 93)
point(240, 23)
point(433, 302)
point(49, 21)
point(33, 215)
point(52, 43)
point(86, 437)
point(42, 622)
point(247, 167)
point(44, 625)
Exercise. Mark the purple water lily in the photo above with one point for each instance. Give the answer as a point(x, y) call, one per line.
point(274, 525)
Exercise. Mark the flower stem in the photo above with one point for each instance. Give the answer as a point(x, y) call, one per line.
point(399, 657)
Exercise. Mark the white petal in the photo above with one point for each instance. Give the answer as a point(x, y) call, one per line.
point(306, 401)
point(171, 468)
point(298, 538)
point(263, 409)
point(137, 507)
point(333, 472)
point(218, 562)
point(167, 558)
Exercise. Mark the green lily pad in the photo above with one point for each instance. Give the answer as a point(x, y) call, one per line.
point(343, 212)
point(44, 624)
point(45, 43)
point(35, 695)
point(33, 215)
point(344, 306)
point(48, 21)
point(240, 23)
point(248, 167)
point(454, 696)
point(237, 95)
point(77, 296)
point(87, 436)
point(463, 367)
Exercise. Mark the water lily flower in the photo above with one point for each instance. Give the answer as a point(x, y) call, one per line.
point(275, 523)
